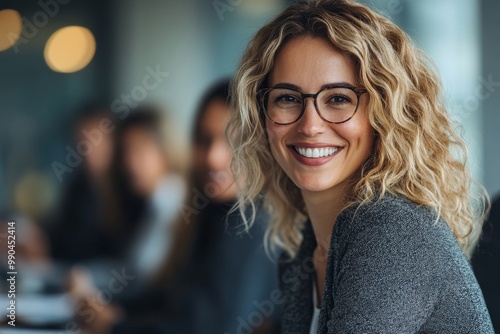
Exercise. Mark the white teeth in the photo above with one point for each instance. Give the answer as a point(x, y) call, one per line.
point(316, 152)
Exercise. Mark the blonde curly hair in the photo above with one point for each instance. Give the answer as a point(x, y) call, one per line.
point(418, 154)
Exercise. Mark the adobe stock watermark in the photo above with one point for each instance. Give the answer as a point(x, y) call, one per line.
point(49, 9)
point(120, 106)
point(223, 6)
point(100, 299)
point(139, 93)
point(483, 91)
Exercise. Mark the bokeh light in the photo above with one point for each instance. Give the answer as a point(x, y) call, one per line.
point(70, 49)
point(33, 195)
point(11, 26)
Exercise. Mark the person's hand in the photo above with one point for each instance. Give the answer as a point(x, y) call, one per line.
point(103, 316)
point(92, 315)
point(80, 283)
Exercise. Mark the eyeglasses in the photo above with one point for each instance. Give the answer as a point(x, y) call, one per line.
point(283, 105)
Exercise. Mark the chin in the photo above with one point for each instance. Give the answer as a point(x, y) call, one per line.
point(314, 184)
point(224, 198)
point(217, 193)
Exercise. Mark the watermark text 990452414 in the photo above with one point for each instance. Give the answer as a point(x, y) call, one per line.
point(11, 272)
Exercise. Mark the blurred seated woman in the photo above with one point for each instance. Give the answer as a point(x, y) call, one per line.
point(154, 162)
point(89, 223)
point(228, 276)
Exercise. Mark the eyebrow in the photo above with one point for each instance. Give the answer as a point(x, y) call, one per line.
point(325, 86)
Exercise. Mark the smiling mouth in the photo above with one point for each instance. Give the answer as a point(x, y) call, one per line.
point(317, 152)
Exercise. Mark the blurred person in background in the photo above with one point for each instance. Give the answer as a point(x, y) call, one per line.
point(228, 271)
point(486, 263)
point(154, 162)
point(90, 224)
point(217, 278)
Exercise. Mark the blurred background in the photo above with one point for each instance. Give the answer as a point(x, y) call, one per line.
point(58, 57)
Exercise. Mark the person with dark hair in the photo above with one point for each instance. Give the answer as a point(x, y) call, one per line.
point(211, 152)
point(228, 276)
point(89, 223)
point(154, 162)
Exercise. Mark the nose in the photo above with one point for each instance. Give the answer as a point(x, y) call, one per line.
point(311, 123)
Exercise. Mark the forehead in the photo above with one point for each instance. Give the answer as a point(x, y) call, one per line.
point(310, 63)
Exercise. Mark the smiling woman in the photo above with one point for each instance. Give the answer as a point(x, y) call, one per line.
point(340, 127)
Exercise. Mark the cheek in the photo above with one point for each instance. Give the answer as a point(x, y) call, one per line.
point(141, 162)
point(197, 156)
point(359, 135)
point(228, 156)
point(275, 134)
point(133, 164)
point(148, 161)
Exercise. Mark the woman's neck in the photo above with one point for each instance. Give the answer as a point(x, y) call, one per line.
point(323, 209)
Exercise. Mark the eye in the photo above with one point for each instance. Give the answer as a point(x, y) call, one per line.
point(339, 99)
point(287, 99)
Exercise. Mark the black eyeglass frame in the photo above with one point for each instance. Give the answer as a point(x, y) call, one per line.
point(263, 91)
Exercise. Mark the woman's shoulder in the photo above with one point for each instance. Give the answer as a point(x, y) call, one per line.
point(395, 220)
point(393, 257)
point(389, 209)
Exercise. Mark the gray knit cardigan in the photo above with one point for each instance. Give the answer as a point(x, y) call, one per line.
point(390, 270)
